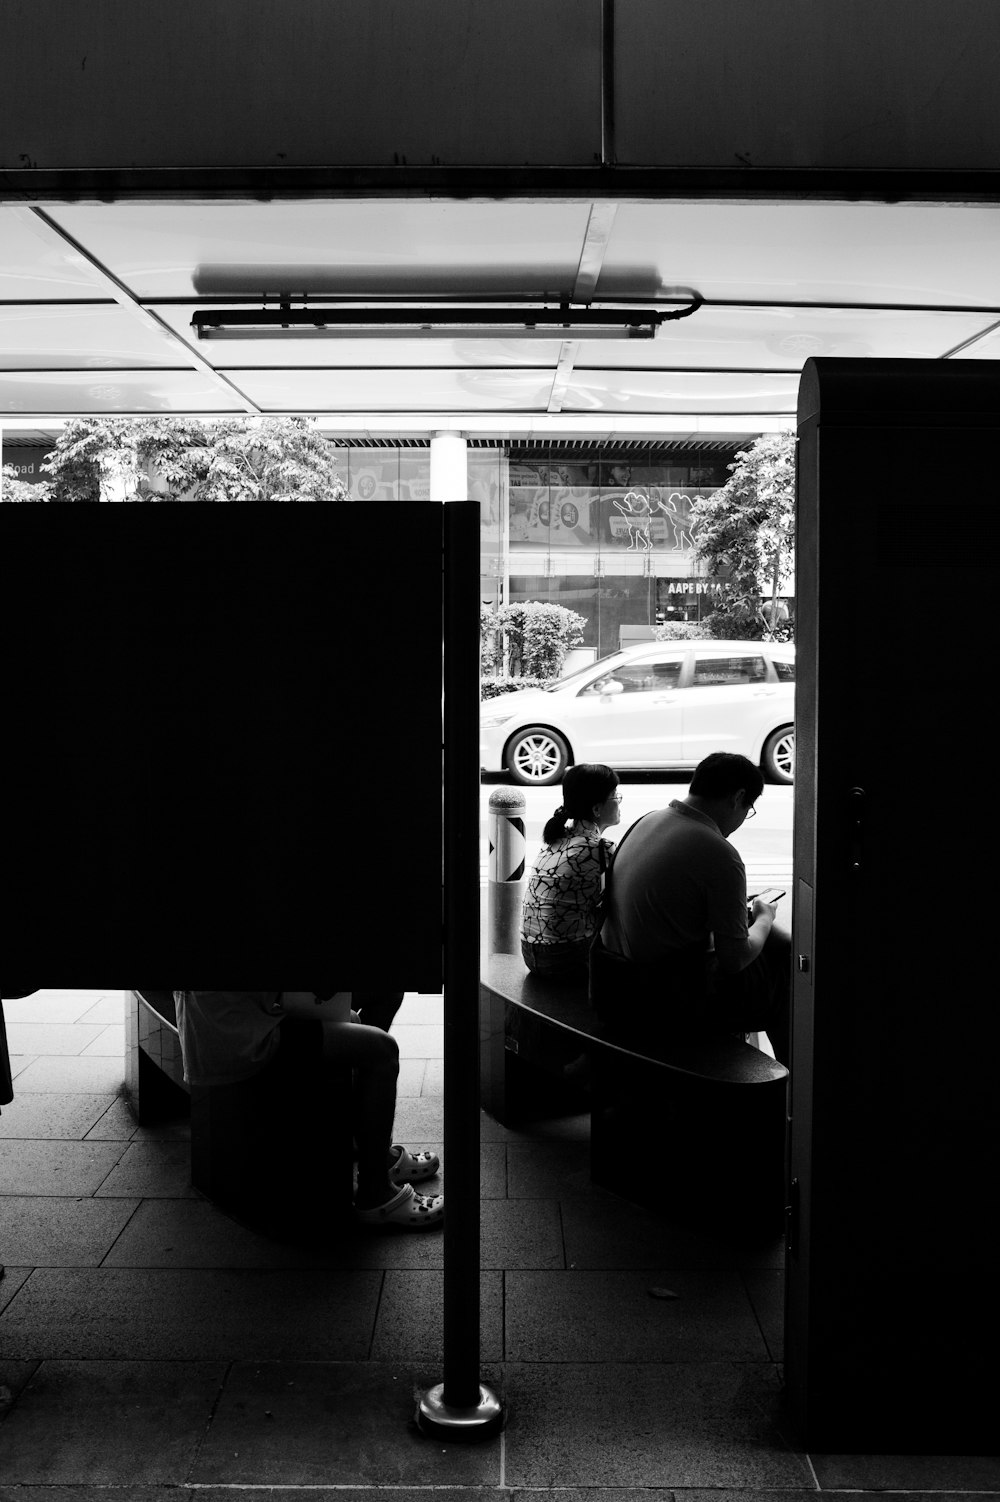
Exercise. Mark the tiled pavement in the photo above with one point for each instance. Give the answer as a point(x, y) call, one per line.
point(148, 1342)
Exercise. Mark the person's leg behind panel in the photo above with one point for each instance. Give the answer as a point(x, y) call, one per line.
point(381, 1199)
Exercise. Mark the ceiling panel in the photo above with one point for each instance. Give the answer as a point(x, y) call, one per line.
point(95, 337)
point(29, 268)
point(111, 392)
point(655, 391)
point(215, 250)
point(928, 254)
point(987, 348)
point(401, 390)
point(784, 338)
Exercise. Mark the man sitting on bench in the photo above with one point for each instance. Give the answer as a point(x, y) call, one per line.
point(279, 1038)
point(677, 913)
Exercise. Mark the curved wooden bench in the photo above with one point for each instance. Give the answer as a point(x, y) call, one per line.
point(712, 1106)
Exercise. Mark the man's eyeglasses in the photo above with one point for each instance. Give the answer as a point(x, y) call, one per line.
point(751, 811)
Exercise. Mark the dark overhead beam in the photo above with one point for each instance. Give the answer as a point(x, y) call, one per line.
point(754, 184)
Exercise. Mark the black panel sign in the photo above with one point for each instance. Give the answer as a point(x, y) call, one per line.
point(223, 752)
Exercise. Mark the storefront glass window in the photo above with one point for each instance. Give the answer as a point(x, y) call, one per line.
point(414, 474)
point(373, 474)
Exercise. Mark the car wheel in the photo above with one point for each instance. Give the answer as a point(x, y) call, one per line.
point(537, 757)
point(778, 761)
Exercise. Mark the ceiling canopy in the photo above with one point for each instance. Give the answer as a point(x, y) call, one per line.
point(97, 303)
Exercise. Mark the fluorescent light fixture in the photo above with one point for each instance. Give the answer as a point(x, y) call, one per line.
point(395, 322)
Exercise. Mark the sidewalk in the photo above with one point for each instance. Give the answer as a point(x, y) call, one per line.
point(148, 1342)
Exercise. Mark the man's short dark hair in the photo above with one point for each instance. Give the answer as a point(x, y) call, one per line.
point(723, 773)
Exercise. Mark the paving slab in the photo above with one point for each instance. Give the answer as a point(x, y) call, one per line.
point(738, 1494)
point(109, 1007)
point(14, 1376)
point(195, 1233)
point(86, 1493)
point(50, 1037)
point(490, 1130)
point(110, 1423)
point(410, 1320)
point(604, 1424)
point(910, 1473)
point(604, 1231)
point(411, 1078)
point(419, 1118)
point(548, 1170)
point(525, 1233)
point(11, 1280)
point(71, 1168)
point(110, 1041)
point(767, 1295)
point(109, 1313)
point(419, 1040)
point(53, 1116)
point(19, 1063)
point(433, 1077)
point(334, 1424)
point(576, 1316)
point(116, 1124)
point(331, 1494)
point(52, 1006)
point(95, 1076)
point(175, 1128)
point(61, 1232)
point(152, 1170)
point(420, 1009)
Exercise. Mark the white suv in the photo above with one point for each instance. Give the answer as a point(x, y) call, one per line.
point(662, 704)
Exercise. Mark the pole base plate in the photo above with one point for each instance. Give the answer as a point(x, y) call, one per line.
point(466, 1426)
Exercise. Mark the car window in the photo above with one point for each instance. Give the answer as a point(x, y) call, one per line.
point(785, 671)
point(561, 683)
point(640, 677)
point(718, 671)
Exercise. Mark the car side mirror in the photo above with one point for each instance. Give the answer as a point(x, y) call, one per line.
point(612, 688)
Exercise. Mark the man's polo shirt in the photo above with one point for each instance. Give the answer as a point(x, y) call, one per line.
point(677, 883)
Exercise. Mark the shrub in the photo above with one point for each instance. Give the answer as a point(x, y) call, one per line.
point(680, 631)
point(491, 688)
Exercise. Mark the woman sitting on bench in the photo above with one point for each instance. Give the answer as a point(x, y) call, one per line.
point(562, 906)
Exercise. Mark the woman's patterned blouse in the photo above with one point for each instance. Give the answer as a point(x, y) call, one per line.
point(565, 888)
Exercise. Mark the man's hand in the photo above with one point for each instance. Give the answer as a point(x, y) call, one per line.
point(762, 909)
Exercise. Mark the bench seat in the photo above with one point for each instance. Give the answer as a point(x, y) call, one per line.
point(285, 1165)
point(714, 1106)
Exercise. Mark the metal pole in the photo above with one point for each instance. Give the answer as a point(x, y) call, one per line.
point(460, 1407)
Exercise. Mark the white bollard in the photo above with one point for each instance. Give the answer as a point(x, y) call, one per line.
point(508, 878)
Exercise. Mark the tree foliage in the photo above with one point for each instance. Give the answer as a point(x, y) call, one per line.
point(745, 533)
point(271, 459)
point(278, 459)
point(16, 489)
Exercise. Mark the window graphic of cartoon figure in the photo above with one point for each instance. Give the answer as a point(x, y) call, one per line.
point(635, 509)
point(678, 515)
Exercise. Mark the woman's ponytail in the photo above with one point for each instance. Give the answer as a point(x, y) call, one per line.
point(555, 827)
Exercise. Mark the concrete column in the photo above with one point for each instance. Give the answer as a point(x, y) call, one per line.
point(449, 467)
